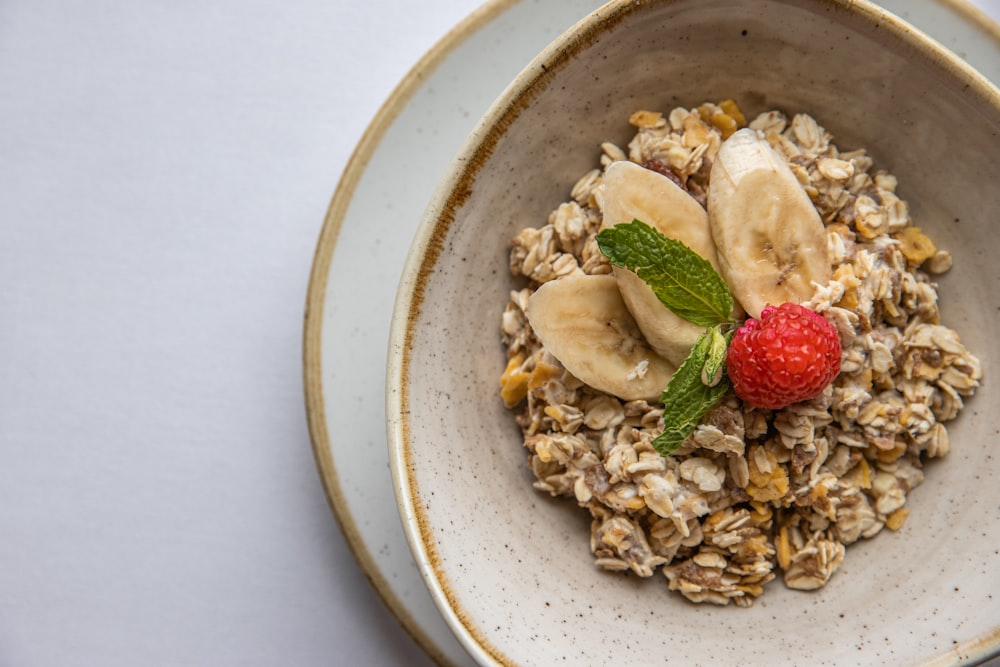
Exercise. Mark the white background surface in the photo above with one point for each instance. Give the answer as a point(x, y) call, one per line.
point(165, 169)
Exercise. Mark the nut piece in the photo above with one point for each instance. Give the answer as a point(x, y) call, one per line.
point(915, 245)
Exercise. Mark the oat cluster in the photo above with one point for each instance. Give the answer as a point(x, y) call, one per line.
point(752, 493)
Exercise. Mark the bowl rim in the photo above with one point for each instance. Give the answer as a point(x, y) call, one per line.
point(437, 220)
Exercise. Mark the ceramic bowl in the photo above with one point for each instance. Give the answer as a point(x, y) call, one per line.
point(510, 567)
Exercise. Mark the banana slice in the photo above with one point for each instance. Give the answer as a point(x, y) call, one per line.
point(582, 320)
point(770, 239)
point(634, 192)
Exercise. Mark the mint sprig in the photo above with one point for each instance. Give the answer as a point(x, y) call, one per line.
point(689, 285)
point(688, 397)
point(684, 281)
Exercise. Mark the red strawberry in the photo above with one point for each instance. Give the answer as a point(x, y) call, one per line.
point(791, 354)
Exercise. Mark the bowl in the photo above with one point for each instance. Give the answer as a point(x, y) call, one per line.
point(509, 565)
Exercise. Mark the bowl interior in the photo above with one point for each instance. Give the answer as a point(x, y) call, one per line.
point(510, 566)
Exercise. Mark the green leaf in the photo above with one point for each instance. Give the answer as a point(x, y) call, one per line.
point(715, 363)
point(687, 397)
point(685, 282)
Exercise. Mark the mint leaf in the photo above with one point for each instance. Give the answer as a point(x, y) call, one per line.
point(715, 363)
point(685, 282)
point(687, 398)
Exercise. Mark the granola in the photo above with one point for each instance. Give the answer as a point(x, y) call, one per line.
point(752, 493)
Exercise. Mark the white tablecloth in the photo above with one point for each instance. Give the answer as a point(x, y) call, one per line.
point(165, 171)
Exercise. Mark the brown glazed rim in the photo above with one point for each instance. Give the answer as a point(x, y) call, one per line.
point(316, 296)
point(319, 277)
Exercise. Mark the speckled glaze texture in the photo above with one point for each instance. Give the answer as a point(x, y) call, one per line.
point(510, 567)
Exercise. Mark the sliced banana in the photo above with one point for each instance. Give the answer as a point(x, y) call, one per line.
point(583, 321)
point(770, 239)
point(633, 192)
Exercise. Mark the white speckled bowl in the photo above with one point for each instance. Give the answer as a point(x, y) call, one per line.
point(510, 567)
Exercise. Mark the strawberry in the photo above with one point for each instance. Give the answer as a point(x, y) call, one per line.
point(791, 354)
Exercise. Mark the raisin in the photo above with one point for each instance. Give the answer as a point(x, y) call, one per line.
point(661, 167)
